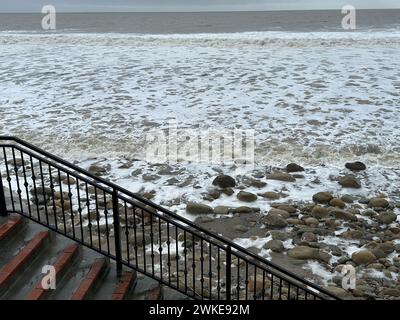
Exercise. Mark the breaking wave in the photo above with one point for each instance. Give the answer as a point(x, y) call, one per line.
point(231, 40)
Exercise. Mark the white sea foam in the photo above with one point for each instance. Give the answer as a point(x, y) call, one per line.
point(261, 39)
point(309, 100)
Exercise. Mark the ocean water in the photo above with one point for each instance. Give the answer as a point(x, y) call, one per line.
point(310, 93)
point(203, 22)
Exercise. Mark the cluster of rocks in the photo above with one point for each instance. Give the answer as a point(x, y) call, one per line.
point(298, 230)
point(369, 223)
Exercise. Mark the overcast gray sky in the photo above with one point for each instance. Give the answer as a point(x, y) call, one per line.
point(189, 5)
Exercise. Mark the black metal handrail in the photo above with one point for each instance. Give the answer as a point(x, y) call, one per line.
point(135, 231)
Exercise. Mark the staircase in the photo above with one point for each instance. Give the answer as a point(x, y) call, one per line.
point(81, 273)
point(102, 240)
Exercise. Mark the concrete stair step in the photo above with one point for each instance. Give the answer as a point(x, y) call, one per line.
point(124, 285)
point(10, 228)
point(61, 266)
point(154, 294)
point(81, 273)
point(22, 260)
point(92, 279)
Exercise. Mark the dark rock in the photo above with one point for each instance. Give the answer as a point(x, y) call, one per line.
point(310, 221)
point(319, 212)
point(275, 245)
point(343, 215)
point(378, 203)
point(336, 202)
point(243, 209)
point(274, 220)
point(387, 247)
point(309, 237)
point(293, 167)
point(378, 253)
point(283, 213)
point(363, 257)
point(352, 234)
point(347, 198)
point(97, 170)
point(221, 210)
point(285, 207)
point(356, 166)
point(308, 253)
point(270, 195)
point(279, 235)
point(224, 181)
point(349, 181)
point(215, 194)
point(198, 208)
point(386, 217)
point(322, 197)
point(246, 196)
point(281, 176)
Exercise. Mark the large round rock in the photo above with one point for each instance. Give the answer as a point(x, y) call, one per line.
point(356, 166)
point(224, 181)
point(198, 208)
point(322, 197)
point(363, 257)
point(274, 220)
point(294, 167)
point(246, 196)
point(378, 203)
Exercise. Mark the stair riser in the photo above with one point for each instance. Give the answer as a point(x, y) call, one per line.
point(35, 256)
point(87, 294)
point(62, 275)
point(13, 233)
point(125, 286)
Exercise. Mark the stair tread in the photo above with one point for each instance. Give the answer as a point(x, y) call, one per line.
point(124, 285)
point(60, 265)
point(12, 267)
point(94, 274)
point(154, 294)
point(9, 227)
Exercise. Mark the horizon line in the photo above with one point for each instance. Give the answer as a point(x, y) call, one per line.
point(199, 11)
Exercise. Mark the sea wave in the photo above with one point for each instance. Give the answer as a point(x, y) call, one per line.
point(257, 39)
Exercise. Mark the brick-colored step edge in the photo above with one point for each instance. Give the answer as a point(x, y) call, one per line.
point(154, 294)
point(18, 262)
point(124, 285)
point(9, 227)
point(90, 280)
point(60, 266)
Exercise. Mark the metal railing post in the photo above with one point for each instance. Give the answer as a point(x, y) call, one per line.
point(3, 206)
point(117, 231)
point(228, 272)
